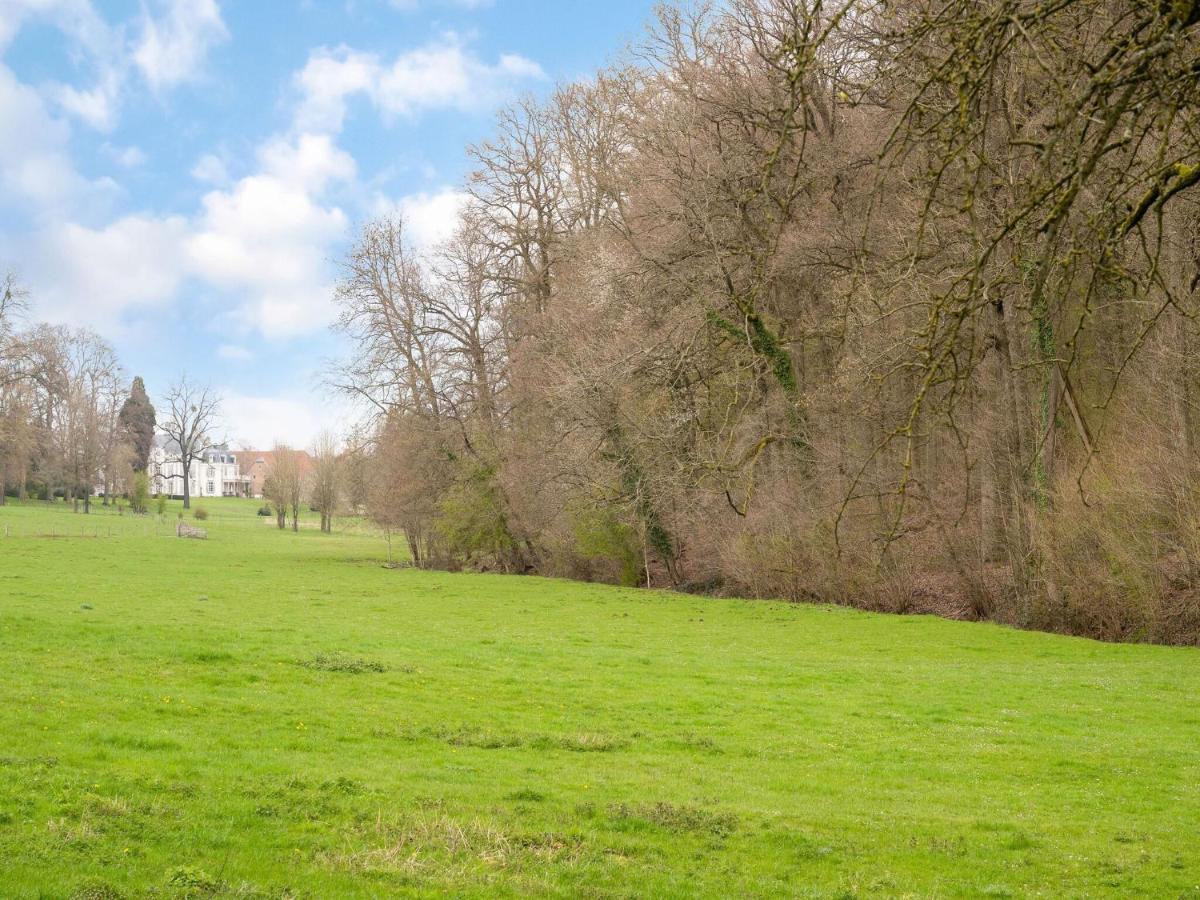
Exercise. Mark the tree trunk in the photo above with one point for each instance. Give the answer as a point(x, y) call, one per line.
point(1011, 467)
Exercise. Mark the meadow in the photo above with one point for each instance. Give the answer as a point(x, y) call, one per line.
point(270, 714)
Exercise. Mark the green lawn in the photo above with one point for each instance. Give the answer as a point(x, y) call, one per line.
point(176, 719)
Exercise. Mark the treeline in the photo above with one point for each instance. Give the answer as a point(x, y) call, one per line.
point(71, 423)
point(886, 302)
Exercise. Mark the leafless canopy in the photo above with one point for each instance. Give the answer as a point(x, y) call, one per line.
point(870, 300)
point(190, 420)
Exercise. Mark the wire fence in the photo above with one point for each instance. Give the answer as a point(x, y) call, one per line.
point(107, 527)
point(56, 520)
point(41, 519)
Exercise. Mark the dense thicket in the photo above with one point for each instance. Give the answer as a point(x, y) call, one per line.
point(886, 302)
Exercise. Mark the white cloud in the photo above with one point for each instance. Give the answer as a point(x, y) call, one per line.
point(429, 218)
point(446, 74)
point(98, 106)
point(328, 78)
point(211, 169)
point(126, 157)
point(441, 74)
point(77, 19)
point(93, 41)
point(263, 240)
point(35, 168)
point(169, 49)
point(93, 275)
point(257, 421)
point(310, 161)
point(267, 237)
point(172, 47)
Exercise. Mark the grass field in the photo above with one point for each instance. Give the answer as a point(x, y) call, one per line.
point(268, 714)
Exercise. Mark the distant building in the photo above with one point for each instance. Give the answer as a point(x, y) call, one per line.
point(255, 466)
point(216, 475)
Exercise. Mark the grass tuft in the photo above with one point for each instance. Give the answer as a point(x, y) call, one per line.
point(526, 795)
point(677, 817)
point(96, 889)
point(188, 881)
point(342, 662)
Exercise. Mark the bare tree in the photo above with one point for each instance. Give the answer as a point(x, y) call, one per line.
point(12, 301)
point(326, 482)
point(275, 490)
point(808, 297)
point(285, 484)
point(90, 384)
point(192, 414)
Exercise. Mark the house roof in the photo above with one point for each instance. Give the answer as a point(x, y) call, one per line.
point(247, 458)
point(215, 453)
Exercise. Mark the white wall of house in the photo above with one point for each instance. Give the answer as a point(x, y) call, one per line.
point(216, 475)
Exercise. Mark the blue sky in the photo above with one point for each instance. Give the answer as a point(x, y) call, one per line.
point(181, 175)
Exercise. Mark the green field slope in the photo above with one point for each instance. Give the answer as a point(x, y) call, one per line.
point(269, 714)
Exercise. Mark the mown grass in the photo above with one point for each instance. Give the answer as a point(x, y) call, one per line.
point(269, 714)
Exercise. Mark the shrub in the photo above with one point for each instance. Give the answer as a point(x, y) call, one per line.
point(472, 522)
point(162, 504)
point(139, 492)
point(200, 513)
point(266, 510)
point(608, 544)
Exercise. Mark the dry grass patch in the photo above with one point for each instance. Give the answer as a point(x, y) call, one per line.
point(433, 841)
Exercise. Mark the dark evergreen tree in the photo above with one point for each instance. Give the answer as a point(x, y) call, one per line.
point(137, 418)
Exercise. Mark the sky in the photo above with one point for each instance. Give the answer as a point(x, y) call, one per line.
point(182, 176)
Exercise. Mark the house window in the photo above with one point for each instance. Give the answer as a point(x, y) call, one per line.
point(210, 487)
point(211, 472)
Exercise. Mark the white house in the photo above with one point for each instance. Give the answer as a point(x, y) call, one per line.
point(216, 475)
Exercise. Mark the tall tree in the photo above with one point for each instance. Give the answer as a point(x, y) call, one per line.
point(284, 486)
point(90, 385)
point(192, 415)
point(137, 419)
point(326, 481)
